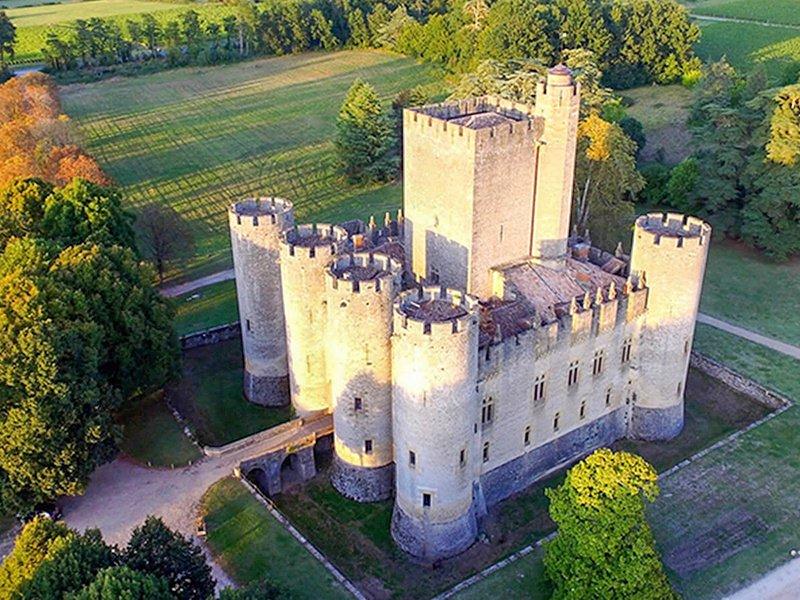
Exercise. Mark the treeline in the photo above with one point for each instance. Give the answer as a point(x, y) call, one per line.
point(82, 327)
point(744, 174)
point(634, 41)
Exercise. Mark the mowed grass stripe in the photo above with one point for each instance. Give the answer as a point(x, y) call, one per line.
point(199, 138)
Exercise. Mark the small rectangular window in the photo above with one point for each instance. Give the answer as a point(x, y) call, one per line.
point(462, 458)
point(485, 451)
point(487, 410)
point(555, 421)
point(357, 405)
point(426, 500)
point(572, 376)
point(686, 347)
point(412, 458)
point(538, 388)
point(367, 446)
point(626, 350)
point(583, 410)
point(247, 324)
point(527, 437)
point(680, 388)
point(597, 365)
point(608, 397)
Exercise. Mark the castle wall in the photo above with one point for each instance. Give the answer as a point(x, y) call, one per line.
point(558, 104)
point(303, 266)
point(256, 226)
point(669, 252)
point(360, 367)
point(590, 413)
point(434, 369)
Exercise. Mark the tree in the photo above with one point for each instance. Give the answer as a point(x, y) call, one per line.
point(518, 29)
point(783, 145)
point(322, 31)
point(155, 549)
point(606, 179)
point(73, 562)
point(681, 185)
point(122, 582)
point(8, 35)
point(31, 549)
point(165, 236)
point(364, 136)
point(604, 547)
point(477, 11)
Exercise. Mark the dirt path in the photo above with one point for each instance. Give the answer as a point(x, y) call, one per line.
point(781, 584)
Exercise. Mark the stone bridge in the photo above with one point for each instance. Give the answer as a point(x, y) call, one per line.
point(283, 455)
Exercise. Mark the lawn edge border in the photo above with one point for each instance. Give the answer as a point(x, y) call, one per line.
point(702, 362)
point(283, 520)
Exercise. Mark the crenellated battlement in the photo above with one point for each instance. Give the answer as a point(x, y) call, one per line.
point(673, 230)
point(476, 120)
point(254, 212)
point(364, 272)
point(314, 240)
point(559, 85)
point(434, 310)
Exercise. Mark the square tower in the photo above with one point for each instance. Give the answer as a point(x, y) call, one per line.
point(469, 184)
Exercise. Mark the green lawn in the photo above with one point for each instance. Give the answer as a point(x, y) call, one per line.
point(662, 111)
point(152, 435)
point(207, 307)
point(748, 44)
point(209, 396)
point(251, 545)
point(773, 11)
point(750, 291)
point(727, 518)
point(200, 138)
point(33, 23)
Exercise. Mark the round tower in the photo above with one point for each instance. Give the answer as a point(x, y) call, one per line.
point(256, 226)
point(305, 253)
point(669, 258)
point(435, 405)
point(360, 292)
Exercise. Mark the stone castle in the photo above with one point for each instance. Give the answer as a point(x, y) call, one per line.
point(470, 346)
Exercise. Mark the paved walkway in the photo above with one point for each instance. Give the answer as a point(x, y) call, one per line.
point(121, 494)
point(781, 584)
point(752, 336)
point(196, 284)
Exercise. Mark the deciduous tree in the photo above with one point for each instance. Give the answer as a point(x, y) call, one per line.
point(165, 236)
point(114, 583)
point(604, 547)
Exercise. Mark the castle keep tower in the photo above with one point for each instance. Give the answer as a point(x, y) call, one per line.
point(306, 251)
point(468, 185)
point(435, 410)
point(669, 252)
point(558, 104)
point(361, 289)
point(256, 226)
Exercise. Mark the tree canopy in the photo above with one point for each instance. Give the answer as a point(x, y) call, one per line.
point(604, 547)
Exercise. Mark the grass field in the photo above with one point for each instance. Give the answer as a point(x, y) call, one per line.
point(747, 45)
point(209, 396)
point(34, 22)
point(772, 11)
point(152, 435)
point(207, 307)
point(197, 139)
point(727, 518)
point(662, 111)
point(251, 545)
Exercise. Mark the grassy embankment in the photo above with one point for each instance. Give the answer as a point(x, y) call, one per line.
point(251, 545)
